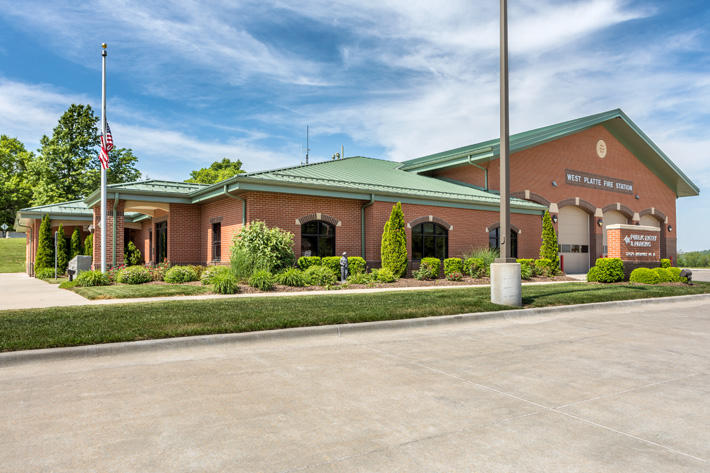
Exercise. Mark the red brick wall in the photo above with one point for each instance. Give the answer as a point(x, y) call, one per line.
point(109, 234)
point(534, 169)
point(183, 234)
point(228, 212)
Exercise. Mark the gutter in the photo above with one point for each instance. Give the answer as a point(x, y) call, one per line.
point(362, 225)
point(113, 227)
point(236, 197)
point(485, 170)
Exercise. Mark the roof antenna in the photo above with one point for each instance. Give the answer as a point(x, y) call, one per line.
point(307, 148)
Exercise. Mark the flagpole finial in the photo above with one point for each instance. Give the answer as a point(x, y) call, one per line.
point(103, 45)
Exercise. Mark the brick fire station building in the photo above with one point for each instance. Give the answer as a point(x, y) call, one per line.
point(589, 173)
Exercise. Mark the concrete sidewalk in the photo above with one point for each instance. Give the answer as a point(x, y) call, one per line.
point(20, 291)
point(19, 285)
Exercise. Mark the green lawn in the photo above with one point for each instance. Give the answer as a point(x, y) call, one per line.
point(123, 291)
point(70, 326)
point(12, 255)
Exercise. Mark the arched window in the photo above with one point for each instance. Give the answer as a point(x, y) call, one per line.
point(317, 238)
point(494, 241)
point(430, 240)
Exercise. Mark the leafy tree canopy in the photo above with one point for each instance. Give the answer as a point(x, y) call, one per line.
point(15, 187)
point(68, 167)
point(218, 171)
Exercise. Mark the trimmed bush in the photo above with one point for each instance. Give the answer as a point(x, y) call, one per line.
point(134, 275)
point(475, 267)
point(305, 262)
point(180, 274)
point(675, 273)
point(332, 263)
point(44, 273)
point(434, 265)
point(665, 263)
point(198, 270)
point(92, 278)
point(610, 269)
point(133, 255)
point(45, 246)
point(385, 275)
point(208, 274)
point(550, 247)
point(224, 282)
point(357, 264)
point(544, 267)
point(320, 276)
point(644, 276)
point(62, 251)
point(453, 265)
point(488, 255)
point(593, 274)
point(454, 276)
point(527, 267)
point(75, 248)
point(393, 250)
point(262, 280)
point(292, 277)
point(89, 245)
point(663, 275)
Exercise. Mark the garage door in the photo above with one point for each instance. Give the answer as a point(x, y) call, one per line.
point(573, 227)
point(611, 217)
point(650, 221)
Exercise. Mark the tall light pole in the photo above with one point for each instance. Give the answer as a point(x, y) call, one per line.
point(505, 272)
point(103, 170)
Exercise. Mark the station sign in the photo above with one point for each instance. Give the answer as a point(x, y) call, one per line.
point(596, 181)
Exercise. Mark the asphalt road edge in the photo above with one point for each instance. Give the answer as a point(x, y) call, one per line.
point(104, 349)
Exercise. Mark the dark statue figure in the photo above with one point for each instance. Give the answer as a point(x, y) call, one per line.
point(344, 270)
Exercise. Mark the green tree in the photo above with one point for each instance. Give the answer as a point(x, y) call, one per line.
point(45, 246)
point(68, 167)
point(15, 187)
point(76, 246)
point(393, 250)
point(218, 171)
point(550, 247)
point(62, 251)
point(89, 245)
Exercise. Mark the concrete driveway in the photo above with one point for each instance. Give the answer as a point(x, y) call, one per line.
point(590, 391)
point(19, 291)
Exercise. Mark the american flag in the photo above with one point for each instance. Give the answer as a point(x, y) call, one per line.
point(106, 146)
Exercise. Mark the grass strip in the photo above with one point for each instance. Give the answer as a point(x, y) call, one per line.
point(12, 255)
point(123, 291)
point(82, 325)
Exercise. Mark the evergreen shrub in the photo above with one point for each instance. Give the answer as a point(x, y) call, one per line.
point(675, 273)
point(610, 269)
point(89, 245)
point(544, 267)
point(644, 276)
point(224, 282)
point(550, 247)
point(453, 265)
point(92, 278)
point(475, 267)
point(180, 274)
point(262, 280)
point(393, 250)
point(433, 264)
point(665, 263)
point(44, 273)
point(134, 275)
point(76, 248)
point(62, 251)
point(527, 267)
point(292, 277)
point(663, 275)
point(385, 275)
point(45, 246)
point(320, 276)
point(305, 262)
point(593, 274)
point(356, 264)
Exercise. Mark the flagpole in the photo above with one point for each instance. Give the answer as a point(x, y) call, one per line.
point(103, 171)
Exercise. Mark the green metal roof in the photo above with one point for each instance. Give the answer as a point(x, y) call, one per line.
point(616, 121)
point(170, 191)
point(372, 176)
point(73, 209)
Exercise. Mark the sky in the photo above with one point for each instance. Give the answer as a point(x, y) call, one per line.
point(191, 82)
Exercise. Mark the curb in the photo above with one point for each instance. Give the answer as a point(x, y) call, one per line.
point(86, 351)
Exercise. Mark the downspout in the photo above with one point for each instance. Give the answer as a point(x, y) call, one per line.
point(362, 224)
point(244, 204)
point(113, 225)
point(485, 171)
